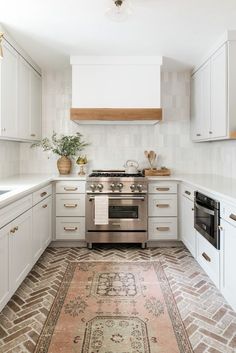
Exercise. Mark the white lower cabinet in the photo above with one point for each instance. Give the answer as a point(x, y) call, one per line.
point(228, 262)
point(20, 248)
point(187, 230)
point(209, 258)
point(42, 227)
point(70, 228)
point(162, 228)
point(4, 265)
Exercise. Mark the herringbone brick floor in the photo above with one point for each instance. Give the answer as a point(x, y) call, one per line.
point(210, 322)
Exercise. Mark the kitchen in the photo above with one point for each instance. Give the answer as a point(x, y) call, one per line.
point(69, 242)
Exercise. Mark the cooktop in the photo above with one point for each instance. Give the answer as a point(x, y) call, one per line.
point(114, 173)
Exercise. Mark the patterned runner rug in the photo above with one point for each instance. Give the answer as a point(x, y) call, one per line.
point(104, 307)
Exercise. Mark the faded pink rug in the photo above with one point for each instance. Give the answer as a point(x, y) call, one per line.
point(104, 307)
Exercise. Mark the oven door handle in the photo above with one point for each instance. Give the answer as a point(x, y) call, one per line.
point(204, 209)
point(139, 198)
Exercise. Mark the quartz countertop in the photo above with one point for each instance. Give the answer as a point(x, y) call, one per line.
point(220, 187)
point(23, 184)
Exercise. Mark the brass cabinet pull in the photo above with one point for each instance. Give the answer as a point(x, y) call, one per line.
point(162, 189)
point(13, 230)
point(162, 205)
point(163, 229)
point(206, 257)
point(70, 229)
point(70, 189)
point(187, 192)
point(45, 206)
point(33, 135)
point(233, 217)
point(198, 134)
point(70, 205)
point(43, 194)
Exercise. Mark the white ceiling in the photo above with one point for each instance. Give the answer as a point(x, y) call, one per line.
point(51, 30)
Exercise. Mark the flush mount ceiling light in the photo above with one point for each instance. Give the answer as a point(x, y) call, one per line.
point(119, 10)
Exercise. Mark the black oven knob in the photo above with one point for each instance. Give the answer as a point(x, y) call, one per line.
point(113, 187)
point(93, 187)
point(100, 187)
point(133, 187)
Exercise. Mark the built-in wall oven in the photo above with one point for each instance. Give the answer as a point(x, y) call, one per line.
point(207, 218)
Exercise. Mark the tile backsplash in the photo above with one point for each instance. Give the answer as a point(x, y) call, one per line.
point(111, 145)
point(9, 158)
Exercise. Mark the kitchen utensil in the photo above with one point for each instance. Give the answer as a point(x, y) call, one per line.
point(131, 167)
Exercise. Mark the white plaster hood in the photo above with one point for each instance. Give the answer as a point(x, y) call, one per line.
point(116, 89)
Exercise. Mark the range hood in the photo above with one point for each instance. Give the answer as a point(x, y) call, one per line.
point(116, 90)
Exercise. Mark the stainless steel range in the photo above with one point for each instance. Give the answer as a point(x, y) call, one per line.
point(126, 197)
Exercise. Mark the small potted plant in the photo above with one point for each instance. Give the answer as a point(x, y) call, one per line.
point(64, 146)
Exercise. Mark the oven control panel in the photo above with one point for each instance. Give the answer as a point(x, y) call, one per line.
point(114, 186)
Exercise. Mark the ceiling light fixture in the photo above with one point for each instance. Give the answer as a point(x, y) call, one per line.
point(119, 10)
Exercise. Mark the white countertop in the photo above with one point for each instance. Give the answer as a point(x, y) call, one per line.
point(220, 187)
point(21, 185)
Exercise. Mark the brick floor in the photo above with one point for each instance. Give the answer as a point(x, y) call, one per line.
point(210, 321)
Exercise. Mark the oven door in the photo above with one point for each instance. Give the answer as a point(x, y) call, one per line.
point(126, 213)
point(206, 222)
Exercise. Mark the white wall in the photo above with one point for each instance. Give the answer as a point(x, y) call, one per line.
point(9, 158)
point(111, 146)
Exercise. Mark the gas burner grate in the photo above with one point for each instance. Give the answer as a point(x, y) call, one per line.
point(114, 175)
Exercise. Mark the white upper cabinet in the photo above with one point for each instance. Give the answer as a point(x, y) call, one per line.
point(20, 104)
point(218, 116)
point(35, 106)
point(213, 107)
point(200, 103)
point(9, 89)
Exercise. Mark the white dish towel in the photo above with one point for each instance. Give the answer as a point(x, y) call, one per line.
point(101, 210)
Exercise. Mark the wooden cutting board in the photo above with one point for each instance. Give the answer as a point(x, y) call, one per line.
point(157, 172)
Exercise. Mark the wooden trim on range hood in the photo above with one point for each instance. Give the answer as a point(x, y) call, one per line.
point(116, 114)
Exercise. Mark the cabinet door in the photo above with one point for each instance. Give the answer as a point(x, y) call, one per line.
point(228, 263)
point(35, 106)
point(4, 266)
point(20, 248)
point(42, 227)
point(200, 103)
point(23, 99)
point(187, 230)
point(219, 93)
point(9, 69)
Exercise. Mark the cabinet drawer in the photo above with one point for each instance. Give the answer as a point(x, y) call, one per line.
point(162, 228)
point(162, 205)
point(42, 193)
point(162, 187)
point(209, 258)
point(15, 209)
point(70, 205)
point(228, 213)
point(70, 187)
point(70, 228)
point(187, 191)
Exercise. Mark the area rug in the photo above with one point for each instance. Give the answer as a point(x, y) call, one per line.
point(104, 307)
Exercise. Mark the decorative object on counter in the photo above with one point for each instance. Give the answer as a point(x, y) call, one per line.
point(65, 146)
point(131, 167)
point(82, 161)
point(151, 156)
point(157, 172)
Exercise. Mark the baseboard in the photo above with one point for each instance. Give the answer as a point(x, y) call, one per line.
point(68, 244)
point(164, 243)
